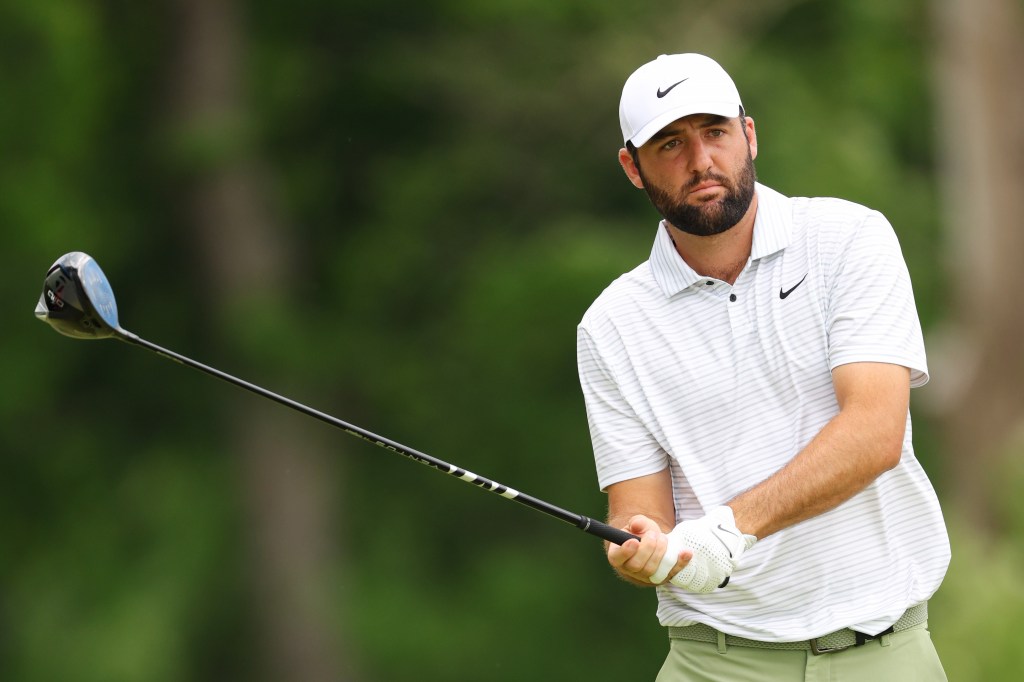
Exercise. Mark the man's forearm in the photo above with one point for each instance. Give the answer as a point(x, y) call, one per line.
point(647, 499)
point(834, 467)
point(861, 442)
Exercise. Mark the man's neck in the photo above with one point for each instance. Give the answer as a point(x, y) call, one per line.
point(722, 256)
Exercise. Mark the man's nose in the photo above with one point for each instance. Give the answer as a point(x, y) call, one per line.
point(699, 160)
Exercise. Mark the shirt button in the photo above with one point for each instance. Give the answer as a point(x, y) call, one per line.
point(710, 283)
point(732, 297)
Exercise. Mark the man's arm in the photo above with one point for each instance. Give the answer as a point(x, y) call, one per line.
point(864, 440)
point(643, 506)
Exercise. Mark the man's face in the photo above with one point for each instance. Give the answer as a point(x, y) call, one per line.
point(699, 172)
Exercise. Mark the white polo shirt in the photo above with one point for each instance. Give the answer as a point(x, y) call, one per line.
point(725, 384)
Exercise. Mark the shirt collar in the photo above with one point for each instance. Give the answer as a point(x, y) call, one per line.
point(771, 234)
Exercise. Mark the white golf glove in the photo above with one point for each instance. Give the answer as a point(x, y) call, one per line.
point(717, 545)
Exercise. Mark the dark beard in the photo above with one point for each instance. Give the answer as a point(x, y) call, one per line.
point(704, 220)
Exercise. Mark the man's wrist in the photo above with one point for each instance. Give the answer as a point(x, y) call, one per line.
point(744, 520)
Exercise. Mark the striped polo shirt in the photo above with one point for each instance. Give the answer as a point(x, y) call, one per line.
point(724, 384)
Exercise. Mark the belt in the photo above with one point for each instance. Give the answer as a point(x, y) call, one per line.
point(835, 641)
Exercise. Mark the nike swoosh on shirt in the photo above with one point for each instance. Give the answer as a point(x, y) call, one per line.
point(662, 93)
point(784, 293)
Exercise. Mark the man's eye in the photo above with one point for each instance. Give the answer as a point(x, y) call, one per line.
point(716, 132)
point(670, 144)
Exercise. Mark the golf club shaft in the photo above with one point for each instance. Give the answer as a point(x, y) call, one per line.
point(584, 523)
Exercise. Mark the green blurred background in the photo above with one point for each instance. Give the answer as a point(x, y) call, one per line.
point(397, 213)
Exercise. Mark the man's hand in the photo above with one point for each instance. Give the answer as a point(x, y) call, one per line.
point(637, 561)
point(716, 545)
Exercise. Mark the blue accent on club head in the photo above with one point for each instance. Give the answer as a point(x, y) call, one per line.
point(98, 291)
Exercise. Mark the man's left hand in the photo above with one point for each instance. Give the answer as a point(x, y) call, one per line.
point(717, 545)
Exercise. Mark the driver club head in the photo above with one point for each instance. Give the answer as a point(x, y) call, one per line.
point(77, 299)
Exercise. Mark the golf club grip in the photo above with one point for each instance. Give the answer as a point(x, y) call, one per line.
point(605, 532)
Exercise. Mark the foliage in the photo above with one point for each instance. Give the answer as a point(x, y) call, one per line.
point(446, 173)
point(978, 608)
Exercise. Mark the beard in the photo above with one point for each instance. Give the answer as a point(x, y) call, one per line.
point(711, 217)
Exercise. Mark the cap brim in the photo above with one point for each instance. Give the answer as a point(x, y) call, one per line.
point(727, 109)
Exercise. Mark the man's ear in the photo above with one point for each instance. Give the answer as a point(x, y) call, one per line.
point(751, 133)
point(629, 166)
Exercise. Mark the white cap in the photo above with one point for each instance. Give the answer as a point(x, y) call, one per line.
point(671, 87)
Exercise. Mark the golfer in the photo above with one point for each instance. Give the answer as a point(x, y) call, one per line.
point(747, 390)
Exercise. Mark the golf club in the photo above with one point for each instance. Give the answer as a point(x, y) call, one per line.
point(78, 302)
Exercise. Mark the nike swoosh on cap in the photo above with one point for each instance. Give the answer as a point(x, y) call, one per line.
point(662, 93)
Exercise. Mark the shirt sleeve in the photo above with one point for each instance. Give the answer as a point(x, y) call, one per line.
point(624, 448)
point(872, 316)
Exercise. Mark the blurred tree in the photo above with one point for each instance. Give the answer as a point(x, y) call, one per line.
point(979, 54)
point(246, 252)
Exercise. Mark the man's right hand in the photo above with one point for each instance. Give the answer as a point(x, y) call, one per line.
point(637, 561)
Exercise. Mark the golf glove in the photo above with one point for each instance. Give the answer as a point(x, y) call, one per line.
point(717, 545)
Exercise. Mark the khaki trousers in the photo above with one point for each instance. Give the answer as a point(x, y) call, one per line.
point(906, 656)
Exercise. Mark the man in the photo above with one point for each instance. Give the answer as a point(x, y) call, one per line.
point(747, 390)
